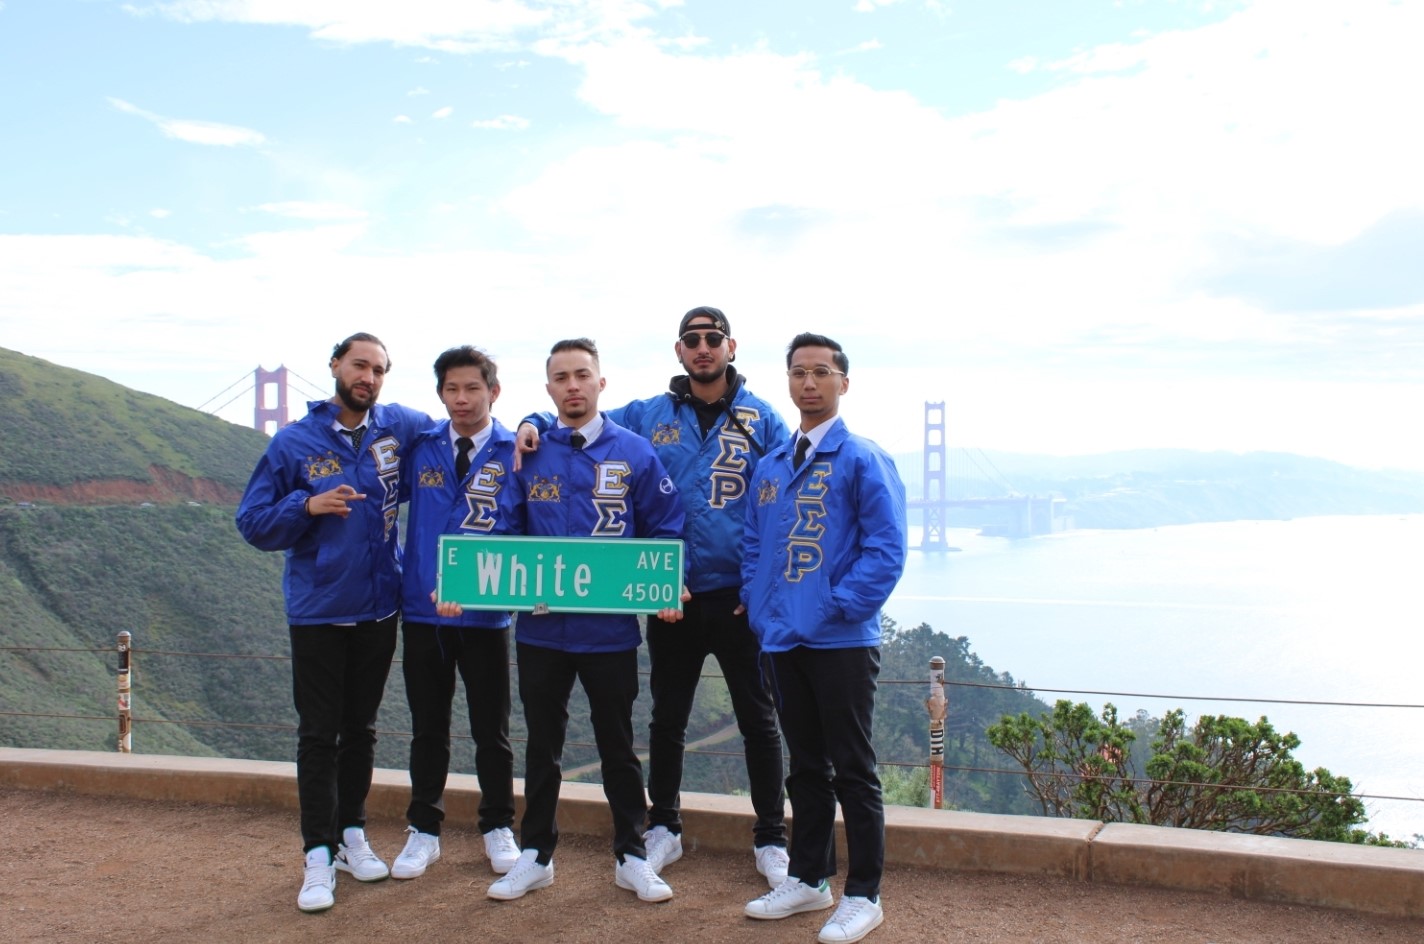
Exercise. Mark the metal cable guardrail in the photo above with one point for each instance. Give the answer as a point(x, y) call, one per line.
point(953, 683)
point(126, 719)
point(1034, 689)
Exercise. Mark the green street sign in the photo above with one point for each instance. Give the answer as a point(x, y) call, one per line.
point(560, 575)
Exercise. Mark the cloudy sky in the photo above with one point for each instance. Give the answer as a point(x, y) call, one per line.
point(1083, 224)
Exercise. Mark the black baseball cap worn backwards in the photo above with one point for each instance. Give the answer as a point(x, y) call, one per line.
point(719, 320)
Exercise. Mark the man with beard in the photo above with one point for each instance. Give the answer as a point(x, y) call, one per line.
point(326, 493)
point(710, 432)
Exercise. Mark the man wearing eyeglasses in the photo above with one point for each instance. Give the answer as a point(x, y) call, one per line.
point(710, 432)
point(824, 546)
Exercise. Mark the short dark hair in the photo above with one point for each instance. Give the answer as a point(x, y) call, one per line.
point(572, 344)
point(338, 352)
point(465, 355)
point(807, 339)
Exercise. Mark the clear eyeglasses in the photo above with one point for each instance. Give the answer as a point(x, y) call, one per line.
point(820, 373)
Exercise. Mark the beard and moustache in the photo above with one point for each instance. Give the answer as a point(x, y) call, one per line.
point(709, 373)
point(357, 402)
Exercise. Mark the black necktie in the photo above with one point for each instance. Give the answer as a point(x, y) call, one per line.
point(355, 435)
point(802, 445)
point(576, 439)
point(463, 445)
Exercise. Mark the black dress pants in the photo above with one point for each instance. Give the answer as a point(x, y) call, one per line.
point(710, 627)
point(610, 679)
point(826, 700)
point(338, 679)
point(430, 657)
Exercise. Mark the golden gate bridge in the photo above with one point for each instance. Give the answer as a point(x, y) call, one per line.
point(1010, 515)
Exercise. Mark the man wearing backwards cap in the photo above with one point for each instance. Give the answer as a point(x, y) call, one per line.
point(709, 432)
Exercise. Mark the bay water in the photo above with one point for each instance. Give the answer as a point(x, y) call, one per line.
point(1327, 609)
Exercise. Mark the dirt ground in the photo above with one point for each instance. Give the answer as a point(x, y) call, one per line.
point(89, 869)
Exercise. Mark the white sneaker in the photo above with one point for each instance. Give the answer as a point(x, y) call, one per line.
point(855, 917)
point(354, 855)
point(421, 850)
point(792, 896)
point(772, 861)
point(526, 876)
point(637, 875)
point(501, 849)
point(319, 882)
point(663, 847)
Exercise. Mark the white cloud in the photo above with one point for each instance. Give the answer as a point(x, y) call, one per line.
point(1234, 126)
point(418, 91)
point(445, 112)
point(307, 210)
point(1162, 144)
point(1043, 257)
point(159, 213)
point(209, 132)
point(452, 26)
point(402, 120)
point(502, 123)
point(195, 132)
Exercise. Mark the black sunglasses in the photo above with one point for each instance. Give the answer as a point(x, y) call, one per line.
point(692, 339)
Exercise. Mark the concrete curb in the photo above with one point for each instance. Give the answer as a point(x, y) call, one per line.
point(1335, 875)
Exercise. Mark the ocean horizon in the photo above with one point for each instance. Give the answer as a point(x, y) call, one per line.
point(1207, 617)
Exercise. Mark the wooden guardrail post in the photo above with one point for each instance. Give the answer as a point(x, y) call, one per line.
point(125, 697)
point(938, 706)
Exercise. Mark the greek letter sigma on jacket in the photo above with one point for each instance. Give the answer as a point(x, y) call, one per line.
point(441, 504)
point(614, 487)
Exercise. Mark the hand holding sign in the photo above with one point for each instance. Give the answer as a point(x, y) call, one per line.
point(569, 575)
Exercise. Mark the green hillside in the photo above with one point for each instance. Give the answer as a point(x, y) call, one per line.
point(150, 561)
point(175, 577)
point(62, 426)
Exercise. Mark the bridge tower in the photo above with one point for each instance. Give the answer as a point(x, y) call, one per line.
point(263, 414)
point(936, 498)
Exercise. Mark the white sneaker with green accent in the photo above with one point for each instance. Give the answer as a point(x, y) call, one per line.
point(318, 881)
point(792, 896)
point(855, 917)
point(354, 855)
